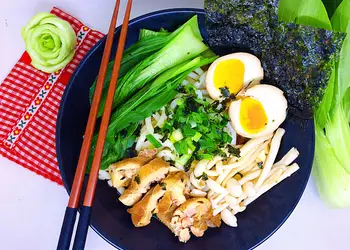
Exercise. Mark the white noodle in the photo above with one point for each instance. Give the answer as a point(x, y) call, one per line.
point(288, 158)
point(202, 81)
point(214, 161)
point(156, 116)
point(218, 198)
point(231, 201)
point(149, 125)
point(248, 189)
point(198, 193)
point(199, 94)
point(250, 176)
point(215, 186)
point(169, 144)
point(212, 173)
point(174, 103)
point(275, 145)
point(110, 183)
point(199, 71)
point(140, 141)
point(228, 218)
point(103, 175)
point(121, 190)
point(251, 144)
point(193, 75)
point(220, 208)
point(200, 167)
point(197, 183)
point(185, 82)
point(290, 170)
point(264, 188)
point(166, 154)
point(218, 168)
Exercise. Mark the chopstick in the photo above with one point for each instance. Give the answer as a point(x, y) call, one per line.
point(71, 210)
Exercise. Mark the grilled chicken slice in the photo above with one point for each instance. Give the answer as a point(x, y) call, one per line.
point(165, 209)
point(153, 171)
point(174, 185)
point(193, 216)
point(122, 171)
point(141, 212)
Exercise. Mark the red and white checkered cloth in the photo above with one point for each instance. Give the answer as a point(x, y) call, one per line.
point(29, 103)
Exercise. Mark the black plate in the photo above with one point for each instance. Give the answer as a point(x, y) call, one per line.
point(110, 218)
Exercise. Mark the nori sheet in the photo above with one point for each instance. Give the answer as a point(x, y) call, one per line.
point(297, 59)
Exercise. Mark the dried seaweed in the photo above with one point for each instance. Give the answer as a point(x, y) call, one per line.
point(298, 59)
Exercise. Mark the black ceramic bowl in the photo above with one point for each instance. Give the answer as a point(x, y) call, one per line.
point(110, 218)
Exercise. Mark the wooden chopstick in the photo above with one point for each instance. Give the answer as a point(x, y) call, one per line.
point(71, 210)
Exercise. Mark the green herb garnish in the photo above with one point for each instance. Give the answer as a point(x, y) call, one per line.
point(137, 179)
point(163, 185)
point(204, 177)
point(225, 92)
point(153, 141)
point(260, 164)
point(234, 151)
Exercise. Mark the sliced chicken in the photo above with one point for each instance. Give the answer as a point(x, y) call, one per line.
point(150, 153)
point(165, 209)
point(122, 171)
point(195, 215)
point(173, 185)
point(141, 212)
point(153, 171)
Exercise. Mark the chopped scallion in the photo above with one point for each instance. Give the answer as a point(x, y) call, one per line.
point(153, 141)
point(197, 136)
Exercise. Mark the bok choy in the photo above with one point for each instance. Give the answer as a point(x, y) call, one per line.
point(331, 168)
point(186, 43)
point(50, 42)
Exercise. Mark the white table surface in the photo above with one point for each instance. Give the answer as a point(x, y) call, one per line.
point(32, 207)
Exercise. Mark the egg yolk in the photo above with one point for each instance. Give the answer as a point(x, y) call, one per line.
point(229, 73)
point(252, 115)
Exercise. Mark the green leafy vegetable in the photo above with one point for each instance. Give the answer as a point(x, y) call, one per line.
point(115, 149)
point(298, 59)
point(331, 165)
point(311, 12)
point(346, 104)
point(186, 45)
point(341, 22)
point(332, 180)
point(338, 134)
point(137, 52)
point(50, 42)
point(153, 97)
point(327, 101)
point(150, 33)
point(331, 6)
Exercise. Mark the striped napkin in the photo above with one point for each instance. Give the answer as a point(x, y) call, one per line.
point(29, 103)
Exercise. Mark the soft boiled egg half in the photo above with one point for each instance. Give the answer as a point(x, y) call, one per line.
point(258, 111)
point(233, 72)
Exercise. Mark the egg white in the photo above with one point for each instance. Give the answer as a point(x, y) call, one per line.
point(253, 71)
point(274, 103)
